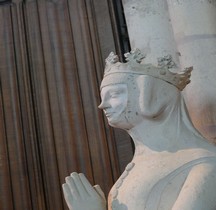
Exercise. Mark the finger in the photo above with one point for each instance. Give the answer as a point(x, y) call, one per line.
point(79, 185)
point(99, 191)
point(89, 188)
point(72, 187)
point(67, 195)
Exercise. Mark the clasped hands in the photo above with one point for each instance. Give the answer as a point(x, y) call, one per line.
point(81, 195)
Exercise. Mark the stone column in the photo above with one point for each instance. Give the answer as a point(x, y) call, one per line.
point(194, 25)
point(150, 29)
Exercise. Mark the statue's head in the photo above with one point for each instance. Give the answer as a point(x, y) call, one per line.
point(131, 91)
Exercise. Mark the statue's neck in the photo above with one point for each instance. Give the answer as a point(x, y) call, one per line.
point(168, 133)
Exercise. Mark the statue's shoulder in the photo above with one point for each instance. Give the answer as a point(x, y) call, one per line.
point(198, 190)
point(205, 168)
point(203, 171)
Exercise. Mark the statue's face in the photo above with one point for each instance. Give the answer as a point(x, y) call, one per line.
point(114, 103)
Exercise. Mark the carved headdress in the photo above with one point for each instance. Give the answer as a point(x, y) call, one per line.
point(134, 66)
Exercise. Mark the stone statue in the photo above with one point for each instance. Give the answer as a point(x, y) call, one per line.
point(173, 167)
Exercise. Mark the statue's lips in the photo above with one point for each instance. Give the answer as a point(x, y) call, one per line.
point(108, 114)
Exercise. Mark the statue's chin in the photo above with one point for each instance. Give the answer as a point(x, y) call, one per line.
point(119, 124)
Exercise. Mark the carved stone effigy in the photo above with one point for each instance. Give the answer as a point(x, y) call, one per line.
point(173, 167)
point(186, 30)
point(195, 36)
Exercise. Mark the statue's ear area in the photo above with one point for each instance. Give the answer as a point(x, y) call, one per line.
point(155, 95)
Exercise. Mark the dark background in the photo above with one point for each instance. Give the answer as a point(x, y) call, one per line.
point(51, 63)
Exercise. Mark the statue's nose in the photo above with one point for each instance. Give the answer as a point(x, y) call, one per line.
point(103, 105)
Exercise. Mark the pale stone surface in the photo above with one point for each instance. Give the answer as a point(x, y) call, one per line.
point(79, 194)
point(149, 27)
point(173, 168)
point(186, 30)
point(195, 33)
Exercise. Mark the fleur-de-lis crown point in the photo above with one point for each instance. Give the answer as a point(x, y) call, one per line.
point(133, 65)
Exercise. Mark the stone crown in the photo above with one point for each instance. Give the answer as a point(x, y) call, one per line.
point(134, 66)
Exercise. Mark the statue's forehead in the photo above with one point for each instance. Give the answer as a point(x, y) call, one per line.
point(113, 87)
point(116, 78)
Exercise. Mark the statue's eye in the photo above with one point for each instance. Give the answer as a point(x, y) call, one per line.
point(114, 95)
